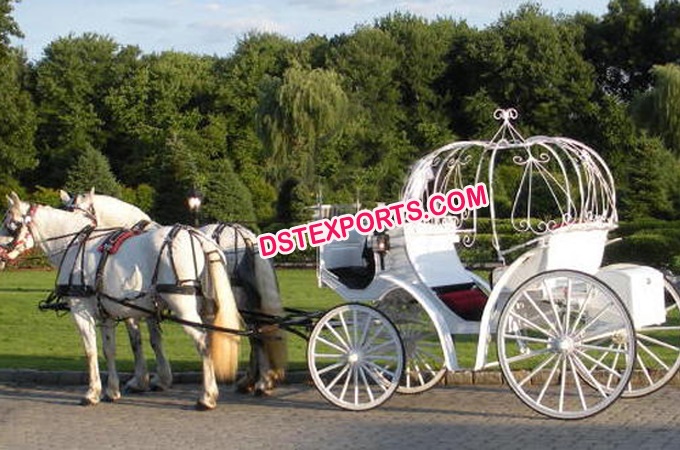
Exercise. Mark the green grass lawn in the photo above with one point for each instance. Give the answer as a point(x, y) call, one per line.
point(31, 339)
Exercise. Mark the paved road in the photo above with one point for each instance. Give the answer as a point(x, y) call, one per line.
point(463, 417)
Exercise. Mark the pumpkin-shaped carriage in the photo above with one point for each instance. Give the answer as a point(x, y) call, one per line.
point(571, 336)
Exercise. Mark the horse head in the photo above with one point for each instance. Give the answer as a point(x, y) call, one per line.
point(15, 234)
point(83, 203)
point(26, 225)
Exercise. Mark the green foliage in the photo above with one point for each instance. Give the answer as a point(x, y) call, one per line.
point(142, 196)
point(17, 118)
point(658, 110)
point(92, 169)
point(652, 180)
point(45, 196)
point(346, 115)
point(298, 115)
point(8, 26)
point(651, 242)
point(227, 199)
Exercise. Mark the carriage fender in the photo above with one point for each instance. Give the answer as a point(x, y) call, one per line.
point(443, 331)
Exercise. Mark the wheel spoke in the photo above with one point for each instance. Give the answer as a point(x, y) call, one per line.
point(577, 382)
point(599, 364)
point(644, 370)
point(537, 369)
point(652, 355)
point(553, 306)
point(602, 349)
point(582, 310)
point(530, 323)
point(596, 318)
point(540, 312)
point(591, 379)
point(344, 328)
point(331, 368)
point(644, 337)
point(337, 377)
point(547, 382)
point(331, 344)
point(527, 338)
point(337, 336)
point(369, 391)
point(525, 356)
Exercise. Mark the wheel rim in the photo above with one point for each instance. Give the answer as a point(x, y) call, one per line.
point(355, 357)
point(658, 350)
point(425, 363)
point(566, 344)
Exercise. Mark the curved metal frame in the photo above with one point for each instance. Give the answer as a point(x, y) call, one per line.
point(579, 184)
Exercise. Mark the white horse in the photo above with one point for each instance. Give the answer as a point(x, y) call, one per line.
point(253, 281)
point(165, 268)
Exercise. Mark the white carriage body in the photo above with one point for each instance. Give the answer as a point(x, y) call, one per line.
point(569, 225)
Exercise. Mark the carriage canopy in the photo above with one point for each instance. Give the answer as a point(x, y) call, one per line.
point(538, 185)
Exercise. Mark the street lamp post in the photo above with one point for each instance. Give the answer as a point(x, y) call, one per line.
point(194, 200)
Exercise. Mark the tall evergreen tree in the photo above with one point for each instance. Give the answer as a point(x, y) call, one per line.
point(92, 169)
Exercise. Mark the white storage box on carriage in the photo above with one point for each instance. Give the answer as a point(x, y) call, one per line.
point(641, 289)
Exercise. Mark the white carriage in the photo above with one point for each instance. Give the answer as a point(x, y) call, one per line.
point(570, 336)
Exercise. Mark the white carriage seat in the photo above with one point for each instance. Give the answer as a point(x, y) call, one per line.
point(433, 256)
point(576, 247)
point(432, 253)
point(351, 260)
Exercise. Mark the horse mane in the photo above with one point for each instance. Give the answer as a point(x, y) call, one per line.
point(110, 210)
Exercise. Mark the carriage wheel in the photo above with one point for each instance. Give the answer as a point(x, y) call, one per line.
point(425, 362)
point(554, 328)
point(658, 350)
point(355, 357)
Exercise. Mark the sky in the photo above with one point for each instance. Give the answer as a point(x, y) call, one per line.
point(214, 27)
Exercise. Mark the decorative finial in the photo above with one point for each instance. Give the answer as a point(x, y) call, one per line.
point(506, 115)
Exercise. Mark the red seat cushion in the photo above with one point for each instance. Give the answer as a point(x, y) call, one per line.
point(468, 303)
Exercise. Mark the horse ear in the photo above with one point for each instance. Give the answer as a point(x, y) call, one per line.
point(14, 198)
point(65, 198)
point(9, 201)
point(92, 192)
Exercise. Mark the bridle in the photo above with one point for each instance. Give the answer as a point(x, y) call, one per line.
point(88, 211)
point(20, 230)
point(23, 236)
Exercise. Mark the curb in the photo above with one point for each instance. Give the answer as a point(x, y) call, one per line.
point(72, 378)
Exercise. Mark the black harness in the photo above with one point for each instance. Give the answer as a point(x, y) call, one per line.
point(77, 286)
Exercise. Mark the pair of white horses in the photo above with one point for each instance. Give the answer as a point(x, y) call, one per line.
point(176, 268)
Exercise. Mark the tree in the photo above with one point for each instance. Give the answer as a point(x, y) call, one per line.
point(423, 47)
point(17, 112)
point(619, 47)
point(297, 116)
point(8, 27)
point(238, 79)
point(92, 169)
point(527, 60)
point(17, 122)
point(658, 110)
point(71, 83)
point(227, 199)
point(653, 182)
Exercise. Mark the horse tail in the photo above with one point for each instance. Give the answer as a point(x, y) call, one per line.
point(223, 346)
point(275, 343)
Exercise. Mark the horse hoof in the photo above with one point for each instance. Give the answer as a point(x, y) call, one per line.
point(87, 402)
point(244, 389)
point(133, 391)
point(159, 388)
point(109, 399)
point(200, 406)
point(262, 393)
